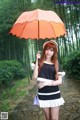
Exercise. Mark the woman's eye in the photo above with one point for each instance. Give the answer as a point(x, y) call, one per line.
point(52, 50)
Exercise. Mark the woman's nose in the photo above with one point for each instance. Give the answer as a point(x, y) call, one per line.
point(48, 51)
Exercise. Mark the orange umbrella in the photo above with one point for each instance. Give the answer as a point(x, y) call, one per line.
point(38, 24)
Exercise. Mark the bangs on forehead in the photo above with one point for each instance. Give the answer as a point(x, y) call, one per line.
point(50, 46)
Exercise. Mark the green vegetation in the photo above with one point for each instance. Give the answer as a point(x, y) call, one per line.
point(71, 64)
point(10, 70)
point(11, 96)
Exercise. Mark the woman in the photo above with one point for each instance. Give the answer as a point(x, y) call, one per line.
point(46, 73)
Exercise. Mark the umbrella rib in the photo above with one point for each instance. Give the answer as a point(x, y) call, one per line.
point(25, 26)
point(23, 29)
point(53, 30)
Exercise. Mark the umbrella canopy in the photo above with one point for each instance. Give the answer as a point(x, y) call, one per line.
point(38, 24)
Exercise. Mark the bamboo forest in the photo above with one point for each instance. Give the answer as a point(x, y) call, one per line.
point(17, 55)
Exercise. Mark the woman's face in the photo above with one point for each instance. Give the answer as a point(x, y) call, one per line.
point(49, 52)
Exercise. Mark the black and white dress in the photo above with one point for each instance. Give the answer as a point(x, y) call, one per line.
point(49, 96)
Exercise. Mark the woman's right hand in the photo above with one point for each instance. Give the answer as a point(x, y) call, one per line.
point(38, 55)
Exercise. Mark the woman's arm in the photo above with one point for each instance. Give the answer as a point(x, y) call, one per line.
point(35, 72)
point(57, 82)
point(51, 82)
point(56, 69)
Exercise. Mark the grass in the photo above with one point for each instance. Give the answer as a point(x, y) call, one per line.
point(11, 96)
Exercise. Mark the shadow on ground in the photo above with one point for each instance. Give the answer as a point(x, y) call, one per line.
point(69, 111)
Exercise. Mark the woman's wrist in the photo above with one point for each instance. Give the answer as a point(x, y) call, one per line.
point(36, 60)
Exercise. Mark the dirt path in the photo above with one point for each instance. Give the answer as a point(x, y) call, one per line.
point(70, 111)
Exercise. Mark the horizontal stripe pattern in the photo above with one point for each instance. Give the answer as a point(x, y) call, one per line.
point(49, 93)
point(48, 89)
point(52, 93)
point(49, 97)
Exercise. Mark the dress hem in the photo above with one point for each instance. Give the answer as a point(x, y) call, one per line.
point(51, 103)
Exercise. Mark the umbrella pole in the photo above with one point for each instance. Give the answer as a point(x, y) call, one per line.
point(38, 29)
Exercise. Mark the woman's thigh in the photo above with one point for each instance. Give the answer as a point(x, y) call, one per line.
point(47, 112)
point(54, 113)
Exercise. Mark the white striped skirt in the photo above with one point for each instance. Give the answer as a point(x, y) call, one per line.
point(49, 96)
point(52, 99)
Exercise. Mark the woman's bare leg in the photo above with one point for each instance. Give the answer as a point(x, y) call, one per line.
point(47, 112)
point(55, 113)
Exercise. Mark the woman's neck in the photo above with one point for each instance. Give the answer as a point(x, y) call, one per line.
point(48, 60)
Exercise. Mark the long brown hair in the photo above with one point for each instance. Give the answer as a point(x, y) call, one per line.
point(54, 58)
